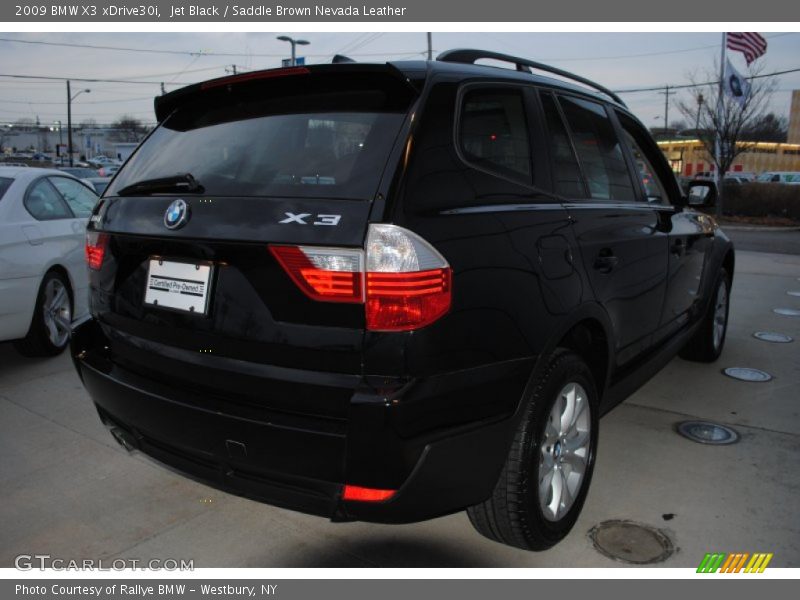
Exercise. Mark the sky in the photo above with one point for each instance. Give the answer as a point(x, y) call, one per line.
point(617, 60)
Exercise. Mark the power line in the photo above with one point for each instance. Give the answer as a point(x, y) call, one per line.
point(197, 53)
point(85, 79)
point(646, 54)
point(111, 101)
point(693, 85)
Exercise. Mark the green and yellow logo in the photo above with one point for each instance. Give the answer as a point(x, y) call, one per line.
point(719, 562)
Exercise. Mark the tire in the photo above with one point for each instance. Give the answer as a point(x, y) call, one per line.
point(48, 334)
point(517, 514)
point(707, 343)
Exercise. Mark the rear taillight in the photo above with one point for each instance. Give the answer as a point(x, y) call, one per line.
point(403, 281)
point(408, 281)
point(326, 274)
point(96, 244)
point(355, 493)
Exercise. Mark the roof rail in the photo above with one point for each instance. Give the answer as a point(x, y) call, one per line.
point(469, 56)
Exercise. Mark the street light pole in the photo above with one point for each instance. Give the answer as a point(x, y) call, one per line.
point(294, 43)
point(700, 101)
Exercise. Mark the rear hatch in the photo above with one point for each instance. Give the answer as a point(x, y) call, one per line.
point(293, 156)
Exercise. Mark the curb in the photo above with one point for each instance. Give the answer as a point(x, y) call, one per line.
point(757, 228)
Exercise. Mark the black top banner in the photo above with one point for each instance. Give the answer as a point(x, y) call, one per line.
point(396, 10)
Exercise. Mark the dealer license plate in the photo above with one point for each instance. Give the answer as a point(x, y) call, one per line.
point(178, 286)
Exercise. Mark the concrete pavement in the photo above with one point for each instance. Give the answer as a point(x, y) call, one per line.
point(70, 491)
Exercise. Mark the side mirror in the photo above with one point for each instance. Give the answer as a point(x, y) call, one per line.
point(701, 194)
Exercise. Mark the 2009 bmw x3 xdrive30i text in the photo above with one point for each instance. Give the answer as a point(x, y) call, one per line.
point(391, 292)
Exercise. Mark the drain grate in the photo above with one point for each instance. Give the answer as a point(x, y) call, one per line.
point(706, 432)
point(773, 336)
point(747, 374)
point(631, 542)
point(786, 312)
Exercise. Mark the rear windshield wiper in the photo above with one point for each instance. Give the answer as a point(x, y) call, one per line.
point(176, 183)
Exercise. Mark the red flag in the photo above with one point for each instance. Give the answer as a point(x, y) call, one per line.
point(752, 45)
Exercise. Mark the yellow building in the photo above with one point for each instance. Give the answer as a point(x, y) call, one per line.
point(689, 157)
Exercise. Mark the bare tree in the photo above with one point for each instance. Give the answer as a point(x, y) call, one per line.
point(769, 128)
point(88, 124)
point(25, 124)
point(731, 121)
point(128, 129)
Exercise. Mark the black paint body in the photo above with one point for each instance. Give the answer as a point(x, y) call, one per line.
point(284, 399)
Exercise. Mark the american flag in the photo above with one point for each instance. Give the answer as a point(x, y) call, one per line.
point(752, 45)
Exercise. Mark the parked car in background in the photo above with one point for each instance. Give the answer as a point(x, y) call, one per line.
point(43, 280)
point(735, 179)
point(102, 159)
point(99, 184)
point(390, 292)
point(789, 177)
point(85, 174)
point(108, 170)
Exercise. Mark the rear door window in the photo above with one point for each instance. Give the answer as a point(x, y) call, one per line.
point(567, 180)
point(44, 203)
point(493, 133)
point(5, 183)
point(79, 198)
point(599, 151)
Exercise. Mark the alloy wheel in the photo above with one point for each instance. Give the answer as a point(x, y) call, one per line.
point(57, 312)
point(720, 313)
point(564, 451)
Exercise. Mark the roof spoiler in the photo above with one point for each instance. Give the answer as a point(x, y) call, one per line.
point(166, 104)
point(469, 56)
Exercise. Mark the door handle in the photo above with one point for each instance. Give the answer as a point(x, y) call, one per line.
point(605, 263)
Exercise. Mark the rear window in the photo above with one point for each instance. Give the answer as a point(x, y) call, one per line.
point(5, 183)
point(272, 148)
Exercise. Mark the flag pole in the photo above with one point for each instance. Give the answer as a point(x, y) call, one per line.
point(718, 140)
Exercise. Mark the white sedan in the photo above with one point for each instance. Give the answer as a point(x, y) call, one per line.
point(43, 274)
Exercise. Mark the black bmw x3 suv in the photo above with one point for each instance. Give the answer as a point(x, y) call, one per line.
point(389, 292)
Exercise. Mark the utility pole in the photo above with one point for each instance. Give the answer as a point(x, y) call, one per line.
point(430, 46)
point(667, 93)
point(69, 123)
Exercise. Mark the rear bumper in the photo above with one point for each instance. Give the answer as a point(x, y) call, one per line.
point(435, 472)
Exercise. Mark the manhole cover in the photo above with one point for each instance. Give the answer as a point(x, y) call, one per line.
point(747, 374)
point(787, 312)
point(773, 336)
point(793, 293)
point(631, 542)
point(705, 432)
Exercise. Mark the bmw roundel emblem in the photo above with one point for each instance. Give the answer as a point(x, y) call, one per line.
point(177, 214)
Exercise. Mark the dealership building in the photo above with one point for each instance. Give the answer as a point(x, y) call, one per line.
point(689, 157)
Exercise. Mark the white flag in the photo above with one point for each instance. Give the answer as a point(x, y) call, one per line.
point(736, 86)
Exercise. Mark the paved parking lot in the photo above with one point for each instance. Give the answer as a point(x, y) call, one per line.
point(70, 491)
